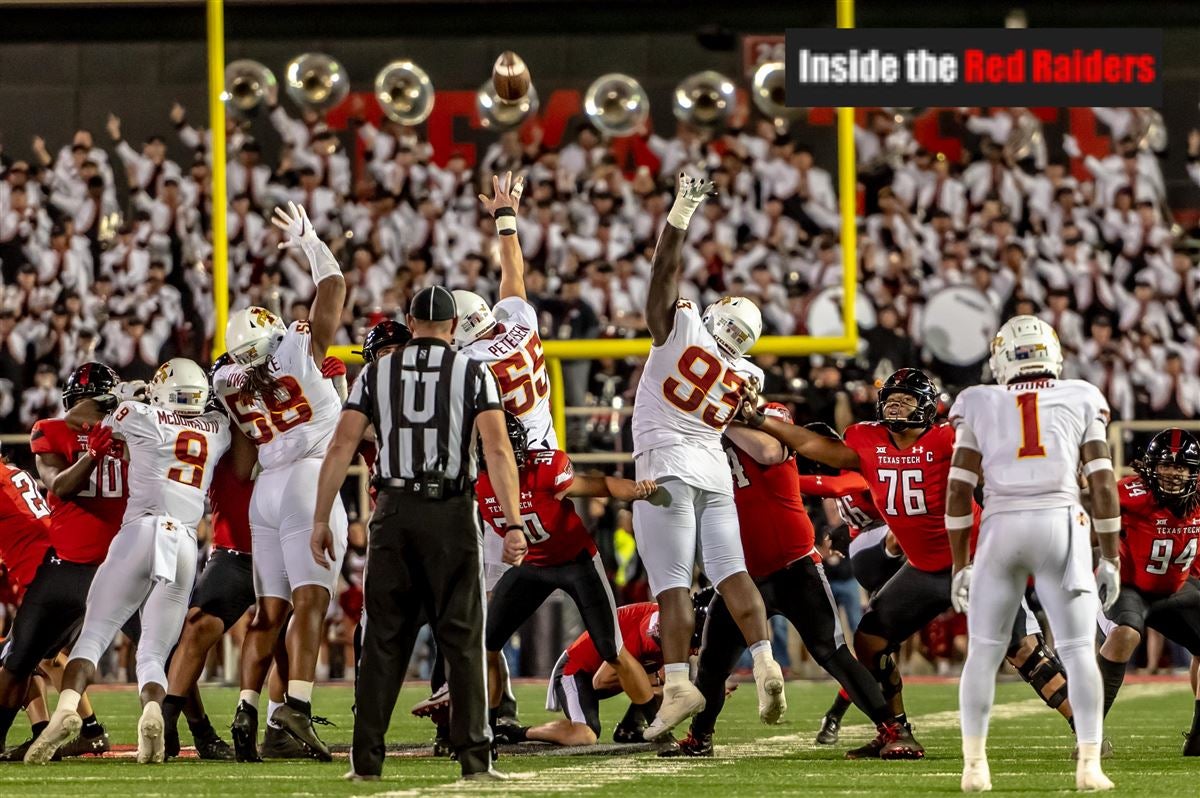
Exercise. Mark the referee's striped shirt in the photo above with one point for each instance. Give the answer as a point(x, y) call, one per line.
point(423, 401)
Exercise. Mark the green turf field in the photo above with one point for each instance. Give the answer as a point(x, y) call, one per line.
point(1030, 754)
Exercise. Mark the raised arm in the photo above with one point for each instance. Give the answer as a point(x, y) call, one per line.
point(326, 311)
point(503, 207)
point(803, 442)
point(663, 291)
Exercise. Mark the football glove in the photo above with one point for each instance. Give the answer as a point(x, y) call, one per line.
point(1108, 582)
point(960, 589)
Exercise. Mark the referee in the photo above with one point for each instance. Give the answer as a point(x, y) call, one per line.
point(425, 552)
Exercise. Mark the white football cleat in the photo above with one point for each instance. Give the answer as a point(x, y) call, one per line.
point(1090, 778)
point(680, 702)
point(64, 727)
point(768, 679)
point(151, 742)
point(976, 777)
point(439, 700)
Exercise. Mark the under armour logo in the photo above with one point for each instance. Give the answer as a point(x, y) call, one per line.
point(880, 450)
point(919, 449)
point(56, 561)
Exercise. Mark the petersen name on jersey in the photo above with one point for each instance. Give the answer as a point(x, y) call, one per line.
point(515, 357)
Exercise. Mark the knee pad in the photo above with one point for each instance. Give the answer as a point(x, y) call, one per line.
point(1041, 668)
point(883, 668)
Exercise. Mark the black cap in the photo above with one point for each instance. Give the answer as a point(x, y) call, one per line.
point(433, 304)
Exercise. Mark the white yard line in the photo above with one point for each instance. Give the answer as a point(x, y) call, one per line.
point(620, 769)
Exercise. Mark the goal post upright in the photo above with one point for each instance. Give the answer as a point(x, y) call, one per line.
point(784, 346)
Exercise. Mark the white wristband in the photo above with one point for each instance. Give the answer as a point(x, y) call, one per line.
point(1106, 526)
point(320, 259)
point(964, 475)
point(506, 224)
point(958, 522)
point(1099, 464)
point(681, 212)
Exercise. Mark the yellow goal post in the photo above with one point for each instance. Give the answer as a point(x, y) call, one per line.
point(557, 351)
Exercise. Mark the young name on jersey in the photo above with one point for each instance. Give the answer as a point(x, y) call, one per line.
point(1029, 436)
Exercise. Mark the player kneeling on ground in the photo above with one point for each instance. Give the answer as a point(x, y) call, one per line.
point(581, 679)
point(1160, 523)
point(554, 552)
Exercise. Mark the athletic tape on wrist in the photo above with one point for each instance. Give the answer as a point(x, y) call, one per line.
point(506, 225)
point(956, 522)
point(1099, 464)
point(320, 260)
point(964, 475)
point(1106, 526)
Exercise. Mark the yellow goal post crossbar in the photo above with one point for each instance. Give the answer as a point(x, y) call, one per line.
point(784, 346)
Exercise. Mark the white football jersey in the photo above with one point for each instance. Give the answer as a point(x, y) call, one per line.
point(515, 356)
point(1029, 435)
point(171, 459)
point(688, 393)
point(297, 421)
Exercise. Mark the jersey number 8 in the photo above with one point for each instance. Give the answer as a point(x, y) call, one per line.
point(285, 413)
point(701, 370)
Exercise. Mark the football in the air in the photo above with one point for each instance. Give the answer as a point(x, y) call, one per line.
point(510, 77)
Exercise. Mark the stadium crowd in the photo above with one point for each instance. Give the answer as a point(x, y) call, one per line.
point(117, 267)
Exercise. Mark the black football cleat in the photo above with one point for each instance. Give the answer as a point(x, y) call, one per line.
point(82, 745)
point(245, 734)
point(300, 726)
point(209, 746)
point(629, 733)
point(278, 744)
point(689, 746)
point(1192, 745)
point(831, 726)
point(17, 753)
point(900, 743)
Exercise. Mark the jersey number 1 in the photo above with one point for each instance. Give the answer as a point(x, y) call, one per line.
point(1031, 431)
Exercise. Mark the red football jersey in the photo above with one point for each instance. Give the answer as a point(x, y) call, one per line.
point(776, 529)
point(1158, 548)
point(850, 492)
point(83, 526)
point(24, 526)
point(554, 530)
point(638, 624)
point(909, 488)
point(230, 500)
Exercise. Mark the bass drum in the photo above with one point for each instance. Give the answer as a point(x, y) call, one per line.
point(958, 325)
point(823, 316)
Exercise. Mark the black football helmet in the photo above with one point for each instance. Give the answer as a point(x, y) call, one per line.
point(91, 381)
point(812, 467)
point(516, 437)
point(214, 402)
point(388, 332)
point(700, 603)
point(916, 384)
point(1178, 447)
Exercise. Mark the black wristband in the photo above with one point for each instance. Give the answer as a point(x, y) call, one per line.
point(511, 527)
point(504, 212)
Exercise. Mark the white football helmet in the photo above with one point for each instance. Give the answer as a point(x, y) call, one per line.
point(735, 322)
point(475, 318)
point(252, 335)
point(179, 385)
point(1025, 346)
